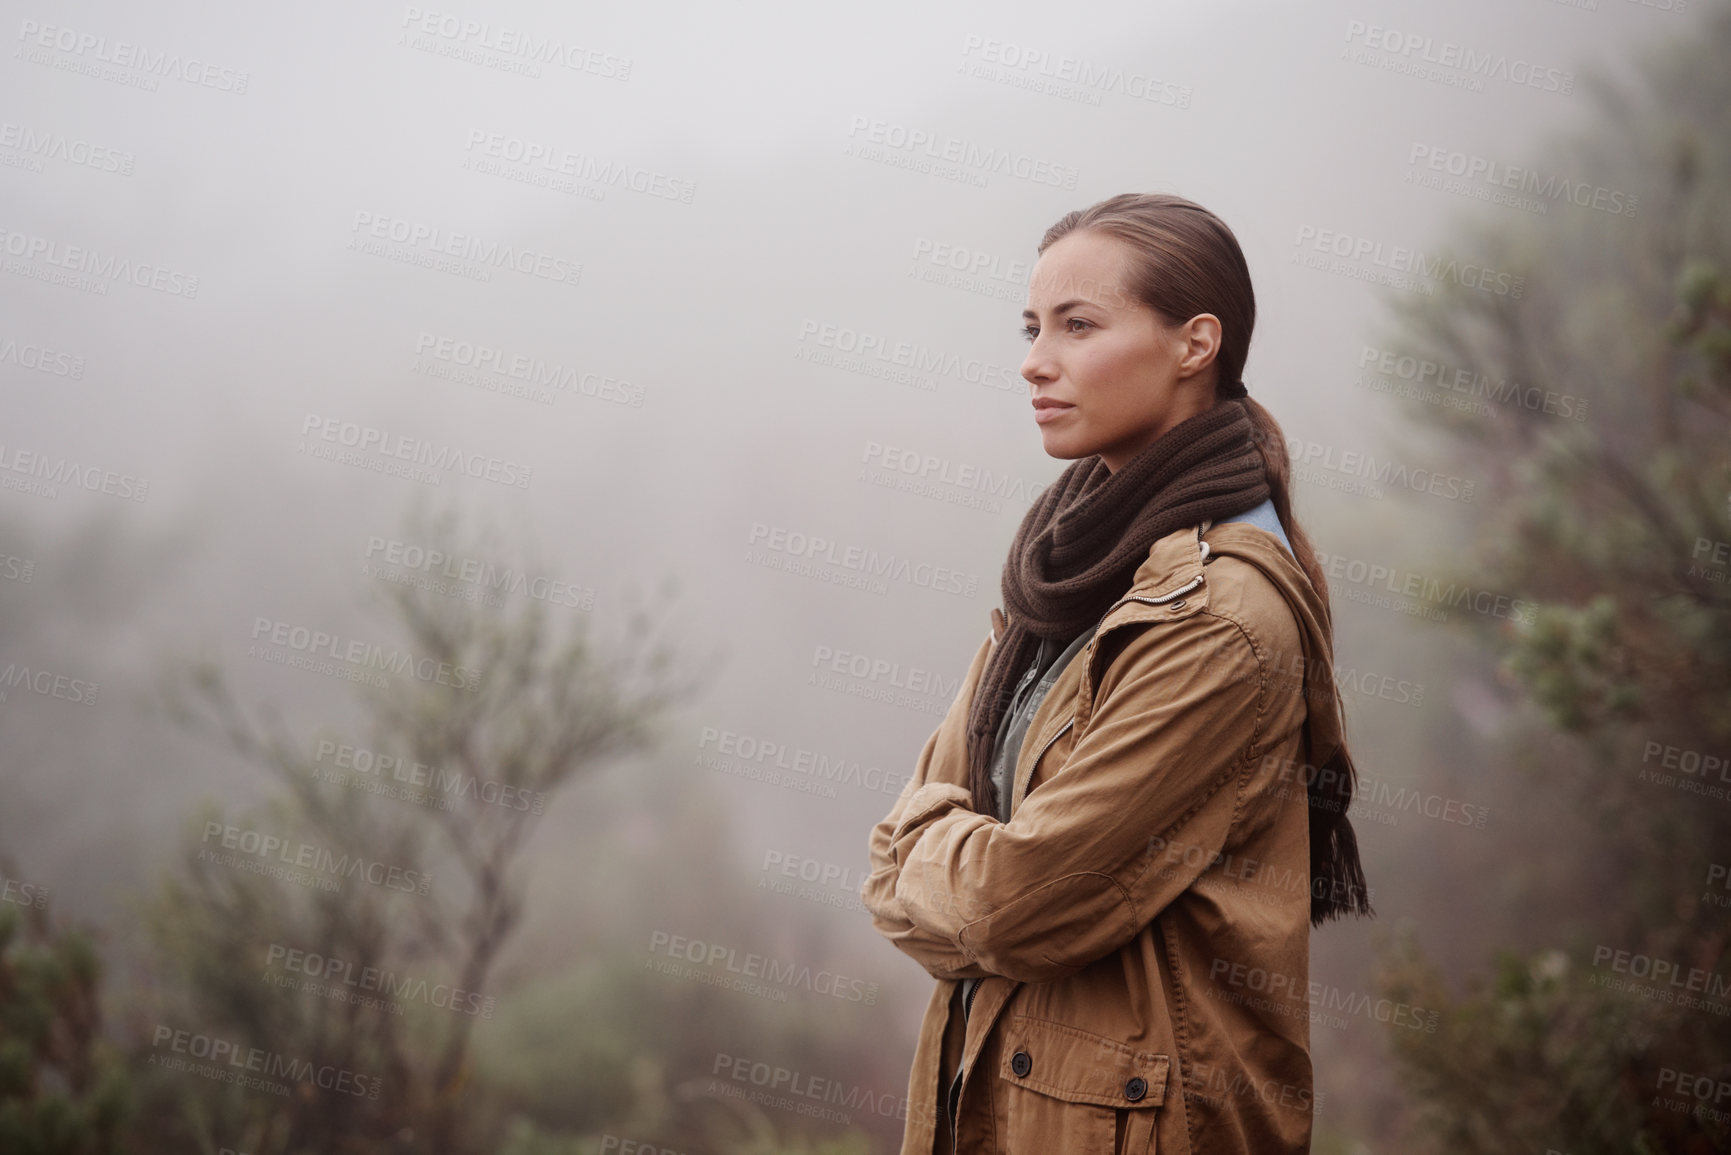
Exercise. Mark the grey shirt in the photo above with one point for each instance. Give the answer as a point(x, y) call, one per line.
point(1013, 731)
point(1013, 728)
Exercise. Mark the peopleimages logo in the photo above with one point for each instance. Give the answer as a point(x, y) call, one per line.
point(311, 856)
point(50, 361)
point(799, 1091)
point(1374, 799)
point(434, 562)
point(365, 655)
point(347, 759)
point(267, 1064)
point(430, 241)
point(1416, 48)
point(393, 448)
point(1322, 997)
point(329, 976)
point(751, 966)
point(46, 683)
point(1068, 77)
point(1547, 187)
point(875, 139)
point(909, 355)
point(47, 472)
point(1434, 596)
point(752, 750)
point(1367, 258)
point(84, 262)
point(44, 144)
point(507, 41)
point(155, 63)
point(1426, 373)
point(867, 565)
point(556, 161)
point(930, 469)
point(1665, 980)
point(21, 893)
point(1307, 456)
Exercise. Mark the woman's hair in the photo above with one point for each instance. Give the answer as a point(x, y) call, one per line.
point(1183, 260)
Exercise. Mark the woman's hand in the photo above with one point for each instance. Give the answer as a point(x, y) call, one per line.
point(939, 954)
point(1145, 803)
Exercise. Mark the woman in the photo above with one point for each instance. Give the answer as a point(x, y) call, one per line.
point(1113, 848)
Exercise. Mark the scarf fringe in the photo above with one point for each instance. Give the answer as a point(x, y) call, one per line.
point(1337, 885)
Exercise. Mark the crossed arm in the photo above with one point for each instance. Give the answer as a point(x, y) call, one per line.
point(1145, 802)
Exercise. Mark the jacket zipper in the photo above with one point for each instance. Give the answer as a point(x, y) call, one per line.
point(968, 1003)
point(953, 1120)
point(967, 1006)
point(951, 1104)
point(1068, 722)
point(1163, 598)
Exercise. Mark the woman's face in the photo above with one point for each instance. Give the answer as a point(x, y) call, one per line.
point(1122, 375)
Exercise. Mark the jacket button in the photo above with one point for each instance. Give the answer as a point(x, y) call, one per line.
point(1021, 1063)
point(1177, 605)
point(1135, 1088)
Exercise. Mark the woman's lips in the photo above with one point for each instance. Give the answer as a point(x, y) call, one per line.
point(1049, 413)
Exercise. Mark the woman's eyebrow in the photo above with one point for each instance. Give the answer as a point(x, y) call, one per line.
point(1065, 307)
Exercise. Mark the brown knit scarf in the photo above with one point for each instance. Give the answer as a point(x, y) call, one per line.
point(1081, 542)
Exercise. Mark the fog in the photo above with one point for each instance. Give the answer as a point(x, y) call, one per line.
point(749, 192)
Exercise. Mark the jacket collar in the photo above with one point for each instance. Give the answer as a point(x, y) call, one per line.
point(1173, 562)
point(1262, 550)
point(1172, 583)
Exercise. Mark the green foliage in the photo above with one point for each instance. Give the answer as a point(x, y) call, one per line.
point(63, 1090)
point(1616, 528)
point(435, 878)
point(1570, 661)
point(1527, 1060)
point(607, 1044)
point(752, 1133)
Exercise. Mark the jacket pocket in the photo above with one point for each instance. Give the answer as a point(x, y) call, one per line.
point(1071, 1090)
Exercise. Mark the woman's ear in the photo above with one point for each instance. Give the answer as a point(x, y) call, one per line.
point(1201, 336)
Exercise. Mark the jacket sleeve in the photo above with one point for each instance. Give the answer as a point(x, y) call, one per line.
point(1143, 805)
point(938, 953)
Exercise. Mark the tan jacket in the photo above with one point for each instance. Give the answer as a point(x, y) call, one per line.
point(1142, 922)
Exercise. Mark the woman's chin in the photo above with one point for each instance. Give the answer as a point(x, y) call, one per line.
point(1064, 445)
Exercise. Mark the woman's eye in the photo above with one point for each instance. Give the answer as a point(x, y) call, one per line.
point(1030, 332)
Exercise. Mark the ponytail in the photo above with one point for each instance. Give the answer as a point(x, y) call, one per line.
point(1183, 261)
point(1271, 443)
point(1337, 885)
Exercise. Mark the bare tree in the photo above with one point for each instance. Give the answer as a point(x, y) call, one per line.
point(499, 720)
